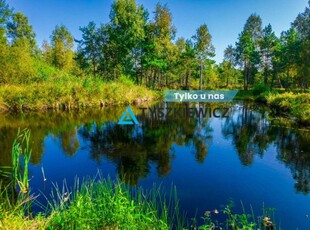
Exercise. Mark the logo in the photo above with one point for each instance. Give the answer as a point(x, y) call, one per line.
point(128, 118)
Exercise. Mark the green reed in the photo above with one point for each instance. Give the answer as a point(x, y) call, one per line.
point(21, 151)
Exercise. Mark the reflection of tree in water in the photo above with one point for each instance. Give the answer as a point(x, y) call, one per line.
point(252, 135)
point(294, 151)
point(69, 141)
point(135, 148)
point(249, 133)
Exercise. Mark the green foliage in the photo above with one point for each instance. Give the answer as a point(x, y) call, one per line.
point(67, 92)
point(292, 104)
point(126, 80)
point(259, 89)
point(239, 221)
point(19, 28)
point(247, 49)
point(107, 204)
point(5, 12)
point(20, 147)
point(127, 33)
point(144, 51)
point(45, 72)
point(21, 69)
point(59, 53)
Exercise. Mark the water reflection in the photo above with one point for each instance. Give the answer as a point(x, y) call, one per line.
point(134, 149)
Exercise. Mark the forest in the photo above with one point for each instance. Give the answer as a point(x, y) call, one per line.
point(143, 48)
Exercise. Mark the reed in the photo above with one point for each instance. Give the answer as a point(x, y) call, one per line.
point(21, 154)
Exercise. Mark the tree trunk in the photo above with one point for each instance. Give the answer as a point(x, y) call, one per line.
point(201, 68)
point(272, 80)
point(245, 76)
point(186, 79)
point(265, 75)
point(287, 78)
point(154, 79)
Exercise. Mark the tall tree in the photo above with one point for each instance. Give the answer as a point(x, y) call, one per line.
point(247, 48)
point(226, 68)
point(159, 51)
point(4, 16)
point(203, 47)
point(19, 30)
point(267, 47)
point(127, 29)
point(61, 53)
point(5, 12)
point(290, 53)
point(302, 26)
point(91, 47)
point(188, 61)
point(254, 27)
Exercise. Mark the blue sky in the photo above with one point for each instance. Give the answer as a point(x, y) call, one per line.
point(225, 18)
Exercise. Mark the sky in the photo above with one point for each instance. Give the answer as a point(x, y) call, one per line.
point(225, 18)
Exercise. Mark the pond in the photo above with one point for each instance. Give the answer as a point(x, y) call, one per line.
point(246, 156)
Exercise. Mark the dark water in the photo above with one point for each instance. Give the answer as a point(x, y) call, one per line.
point(246, 157)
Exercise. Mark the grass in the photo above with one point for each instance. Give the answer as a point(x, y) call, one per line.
point(21, 148)
point(290, 104)
point(101, 203)
point(106, 204)
point(72, 93)
point(295, 105)
point(245, 95)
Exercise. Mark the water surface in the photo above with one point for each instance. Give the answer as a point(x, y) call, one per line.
point(246, 157)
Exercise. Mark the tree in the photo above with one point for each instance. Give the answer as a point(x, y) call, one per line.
point(247, 48)
point(227, 71)
point(60, 53)
point(267, 47)
point(254, 27)
point(277, 63)
point(19, 31)
point(159, 52)
point(5, 12)
point(301, 25)
point(90, 47)
point(245, 52)
point(127, 30)
point(290, 53)
point(203, 47)
point(188, 60)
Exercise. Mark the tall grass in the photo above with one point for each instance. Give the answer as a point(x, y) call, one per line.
point(71, 93)
point(105, 204)
point(20, 148)
point(291, 104)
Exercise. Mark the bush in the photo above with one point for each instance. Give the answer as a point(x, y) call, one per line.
point(296, 105)
point(259, 89)
point(125, 80)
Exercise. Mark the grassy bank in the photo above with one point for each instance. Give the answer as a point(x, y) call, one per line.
point(96, 204)
point(107, 204)
point(72, 93)
point(296, 105)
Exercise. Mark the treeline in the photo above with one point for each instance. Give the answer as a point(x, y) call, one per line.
point(144, 49)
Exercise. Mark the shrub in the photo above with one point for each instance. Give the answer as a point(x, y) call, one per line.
point(259, 89)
